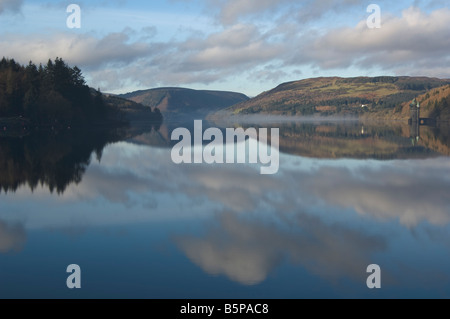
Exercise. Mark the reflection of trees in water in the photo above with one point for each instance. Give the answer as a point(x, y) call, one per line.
point(344, 139)
point(54, 159)
point(437, 138)
point(354, 140)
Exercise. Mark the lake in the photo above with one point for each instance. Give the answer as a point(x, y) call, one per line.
point(347, 195)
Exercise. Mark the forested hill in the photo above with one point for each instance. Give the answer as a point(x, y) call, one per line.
point(334, 95)
point(186, 103)
point(56, 94)
point(434, 104)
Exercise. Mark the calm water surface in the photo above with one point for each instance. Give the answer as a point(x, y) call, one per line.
point(346, 196)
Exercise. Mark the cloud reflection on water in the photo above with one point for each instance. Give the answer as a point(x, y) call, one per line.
point(247, 250)
point(411, 191)
point(309, 213)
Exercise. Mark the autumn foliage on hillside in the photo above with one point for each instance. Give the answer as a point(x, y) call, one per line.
point(433, 104)
point(342, 96)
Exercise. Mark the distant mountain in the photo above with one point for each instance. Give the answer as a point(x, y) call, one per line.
point(183, 103)
point(334, 95)
point(131, 111)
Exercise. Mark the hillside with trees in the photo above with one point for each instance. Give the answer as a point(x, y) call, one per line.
point(338, 96)
point(44, 113)
point(57, 95)
point(434, 104)
point(181, 103)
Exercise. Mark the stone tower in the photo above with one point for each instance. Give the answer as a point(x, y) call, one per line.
point(414, 121)
point(414, 109)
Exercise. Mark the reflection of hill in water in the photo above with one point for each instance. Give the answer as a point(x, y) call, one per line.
point(338, 140)
point(437, 139)
point(352, 141)
point(162, 137)
point(54, 159)
point(362, 141)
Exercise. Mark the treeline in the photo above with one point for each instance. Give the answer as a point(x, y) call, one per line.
point(441, 109)
point(51, 160)
point(417, 86)
point(402, 83)
point(389, 102)
point(395, 100)
point(378, 79)
point(54, 93)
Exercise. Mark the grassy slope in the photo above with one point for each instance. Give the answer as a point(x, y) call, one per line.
point(335, 95)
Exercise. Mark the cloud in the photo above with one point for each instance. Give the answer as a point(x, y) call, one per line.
point(10, 5)
point(414, 40)
point(417, 43)
point(83, 50)
point(272, 49)
point(232, 10)
point(197, 59)
point(115, 60)
point(270, 73)
point(12, 237)
point(247, 250)
point(238, 47)
point(315, 9)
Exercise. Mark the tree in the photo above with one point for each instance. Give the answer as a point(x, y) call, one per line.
point(41, 94)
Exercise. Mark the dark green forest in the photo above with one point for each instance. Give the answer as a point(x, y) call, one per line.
point(53, 94)
point(54, 160)
point(44, 113)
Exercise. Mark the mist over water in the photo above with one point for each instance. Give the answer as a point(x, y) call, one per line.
point(280, 119)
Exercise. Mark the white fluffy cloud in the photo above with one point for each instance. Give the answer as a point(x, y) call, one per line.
point(414, 39)
point(272, 49)
point(81, 49)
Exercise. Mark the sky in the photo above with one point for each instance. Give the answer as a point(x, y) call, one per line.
point(247, 46)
